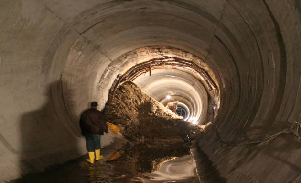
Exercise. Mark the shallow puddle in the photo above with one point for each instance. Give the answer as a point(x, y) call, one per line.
point(180, 169)
point(132, 163)
point(154, 163)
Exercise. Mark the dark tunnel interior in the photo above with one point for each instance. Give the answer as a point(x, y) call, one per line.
point(233, 65)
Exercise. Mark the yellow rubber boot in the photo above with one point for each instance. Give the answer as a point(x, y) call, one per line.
point(91, 157)
point(98, 156)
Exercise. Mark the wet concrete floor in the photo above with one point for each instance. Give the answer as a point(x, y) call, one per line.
point(131, 163)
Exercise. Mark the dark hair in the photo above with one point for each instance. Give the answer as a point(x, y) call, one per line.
point(94, 104)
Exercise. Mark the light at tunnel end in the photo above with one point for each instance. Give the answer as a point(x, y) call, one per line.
point(193, 120)
point(168, 97)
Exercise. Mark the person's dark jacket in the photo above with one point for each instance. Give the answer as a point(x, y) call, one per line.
point(92, 122)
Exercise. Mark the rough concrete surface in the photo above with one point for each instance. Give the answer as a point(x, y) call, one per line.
point(54, 55)
point(142, 119)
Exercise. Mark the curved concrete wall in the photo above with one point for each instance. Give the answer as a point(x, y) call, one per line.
point(54, 55)
point(181, 86)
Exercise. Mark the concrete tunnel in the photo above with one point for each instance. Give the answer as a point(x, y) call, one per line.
point(234, 63)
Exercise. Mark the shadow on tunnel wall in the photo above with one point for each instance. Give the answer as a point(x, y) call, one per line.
point(45, 137)
point(276, 150)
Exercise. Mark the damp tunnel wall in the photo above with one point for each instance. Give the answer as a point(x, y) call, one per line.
point(55, 57)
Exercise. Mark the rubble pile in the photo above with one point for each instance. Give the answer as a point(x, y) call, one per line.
point(143, 119)
point(155, 133)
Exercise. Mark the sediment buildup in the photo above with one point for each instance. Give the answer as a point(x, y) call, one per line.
point(234, 63)
point(143, 119)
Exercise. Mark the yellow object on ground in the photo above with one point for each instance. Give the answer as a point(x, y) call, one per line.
point(113, 128)
point(91, 157)
point(114, 156)
point(98, 156)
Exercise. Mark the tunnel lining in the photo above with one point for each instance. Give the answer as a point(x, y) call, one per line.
point(199, 111)
point(172, 62)
point(38, 52)
point(136, 63)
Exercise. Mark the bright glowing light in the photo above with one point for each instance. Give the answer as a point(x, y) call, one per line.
point(168, 97)
point(193, 120)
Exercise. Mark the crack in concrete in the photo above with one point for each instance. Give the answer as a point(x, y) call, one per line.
point(215, 31)
point(93, 25)
point(7, 145)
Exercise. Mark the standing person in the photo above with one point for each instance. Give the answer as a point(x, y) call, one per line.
point(92, 127)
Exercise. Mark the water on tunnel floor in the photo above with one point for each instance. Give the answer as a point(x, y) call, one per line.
point(131, 163)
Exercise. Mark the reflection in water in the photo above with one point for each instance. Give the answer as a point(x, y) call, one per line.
point(114, 156)
point(97, 173)
point(154, 163)
point(132, 163)
point(176, 170)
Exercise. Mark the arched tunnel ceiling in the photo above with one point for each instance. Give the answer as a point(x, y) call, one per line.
point(55, 57)
point(179, 85)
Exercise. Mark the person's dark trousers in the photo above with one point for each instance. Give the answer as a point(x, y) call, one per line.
point(92, 142)
point(93, 146)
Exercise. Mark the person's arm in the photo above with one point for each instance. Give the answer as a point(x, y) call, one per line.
point(101, 121)
point(104, 125)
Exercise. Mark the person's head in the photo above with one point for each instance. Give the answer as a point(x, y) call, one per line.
point(94, 104)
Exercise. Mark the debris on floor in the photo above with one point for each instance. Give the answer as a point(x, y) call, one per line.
point(143, 119)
